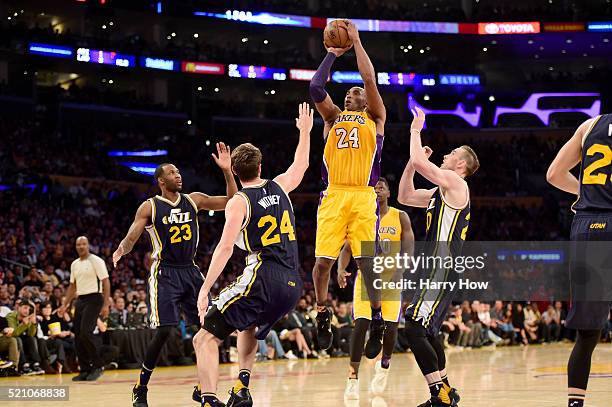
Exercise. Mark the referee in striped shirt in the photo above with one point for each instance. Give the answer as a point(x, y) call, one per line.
point(90, 283)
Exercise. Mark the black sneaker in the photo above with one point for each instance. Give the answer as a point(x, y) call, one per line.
point(324, 333)
point(197, 394)
point(81, 377)
point(36, 369)
point(436, 402)
point(5, 364)
point(241, 399)
point(375, 341)
point(94, 374)
point(139, 396)
point(454, 396)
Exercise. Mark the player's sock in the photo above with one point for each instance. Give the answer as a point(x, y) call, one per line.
point(376, 313)
point(210, 400)
point(575, 400)
point(145, 376)
point(447, 386)
point(243, 380)
point(437, 390)
point(385, 361)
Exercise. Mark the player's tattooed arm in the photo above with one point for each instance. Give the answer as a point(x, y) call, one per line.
point(141, 220)
point(558, 174)
point(291, 179)
point(217, 203)
point(234, 216)
point(375, 107)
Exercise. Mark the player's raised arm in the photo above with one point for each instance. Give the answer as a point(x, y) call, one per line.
point(323, 102)
point(290, 179)
point(407, 194)
point(217, 203)
point(235, 213)
point(443, 178)
point(558, 174)
point(375, 105)
point(142, 218)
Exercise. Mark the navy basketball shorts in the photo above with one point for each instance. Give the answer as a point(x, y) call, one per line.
point(430, 306)
point(171, 290)
point(584, 314)
point(260, 297)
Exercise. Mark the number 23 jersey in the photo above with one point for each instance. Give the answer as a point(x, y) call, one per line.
point(268, 232)
point(352, 151)
point(174, 230)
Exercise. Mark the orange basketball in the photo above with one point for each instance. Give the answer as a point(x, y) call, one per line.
point(336, 35)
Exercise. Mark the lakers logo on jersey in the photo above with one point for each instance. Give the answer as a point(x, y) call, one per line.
point(176, 216)
point(352, 151)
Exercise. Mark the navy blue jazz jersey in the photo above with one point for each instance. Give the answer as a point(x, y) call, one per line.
point(270, 285)
point(174, 280)
point(592, 221)
point(446, 231)
point(596, 168)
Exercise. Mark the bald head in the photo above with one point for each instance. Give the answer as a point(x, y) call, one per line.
point(82, 246)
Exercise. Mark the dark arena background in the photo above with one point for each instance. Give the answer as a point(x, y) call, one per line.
point(95, 94)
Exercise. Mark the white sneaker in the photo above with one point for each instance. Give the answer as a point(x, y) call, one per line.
point(289, 355)
point(379, 381)
point(352, 389)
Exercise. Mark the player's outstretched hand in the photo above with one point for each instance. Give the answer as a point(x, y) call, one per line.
point(117, 255)
point(202, 304)
point(223, 157)
point(338, 52)
point(352, 31)
point(342, 275)
point(418, 121)
point(305, 118)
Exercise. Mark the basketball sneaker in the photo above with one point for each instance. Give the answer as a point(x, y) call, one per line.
point(375, 341)
point(454, 396)
point(197, 394)
point(324, 333)
point(351, 392)
point(240, 399)
point(139, 396)
point(437, 402)
point(379, 381)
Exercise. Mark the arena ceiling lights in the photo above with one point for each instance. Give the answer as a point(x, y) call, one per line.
point(493, 28)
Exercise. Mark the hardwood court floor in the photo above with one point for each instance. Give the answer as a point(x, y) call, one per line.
point(506, 377)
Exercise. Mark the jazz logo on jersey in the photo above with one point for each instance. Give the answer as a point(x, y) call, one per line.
point(176, 216)
point(597, 226)
point(430, 208)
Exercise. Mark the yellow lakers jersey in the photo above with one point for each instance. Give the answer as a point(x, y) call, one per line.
point(390, 232)
point(352, 151)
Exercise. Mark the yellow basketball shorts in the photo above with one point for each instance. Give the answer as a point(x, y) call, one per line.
point(391, 300)
point(346, 213)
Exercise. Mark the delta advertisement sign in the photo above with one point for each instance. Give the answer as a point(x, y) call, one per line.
point(508, 28)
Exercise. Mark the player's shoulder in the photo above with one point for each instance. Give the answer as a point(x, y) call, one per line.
point(74, 262)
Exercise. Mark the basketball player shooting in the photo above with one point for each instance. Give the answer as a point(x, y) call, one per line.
point(171, 221)
point(448, 217)
point(591, 146)
point(351, 167)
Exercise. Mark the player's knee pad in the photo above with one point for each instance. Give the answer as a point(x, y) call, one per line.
point(215, 323)
point(415, 331)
